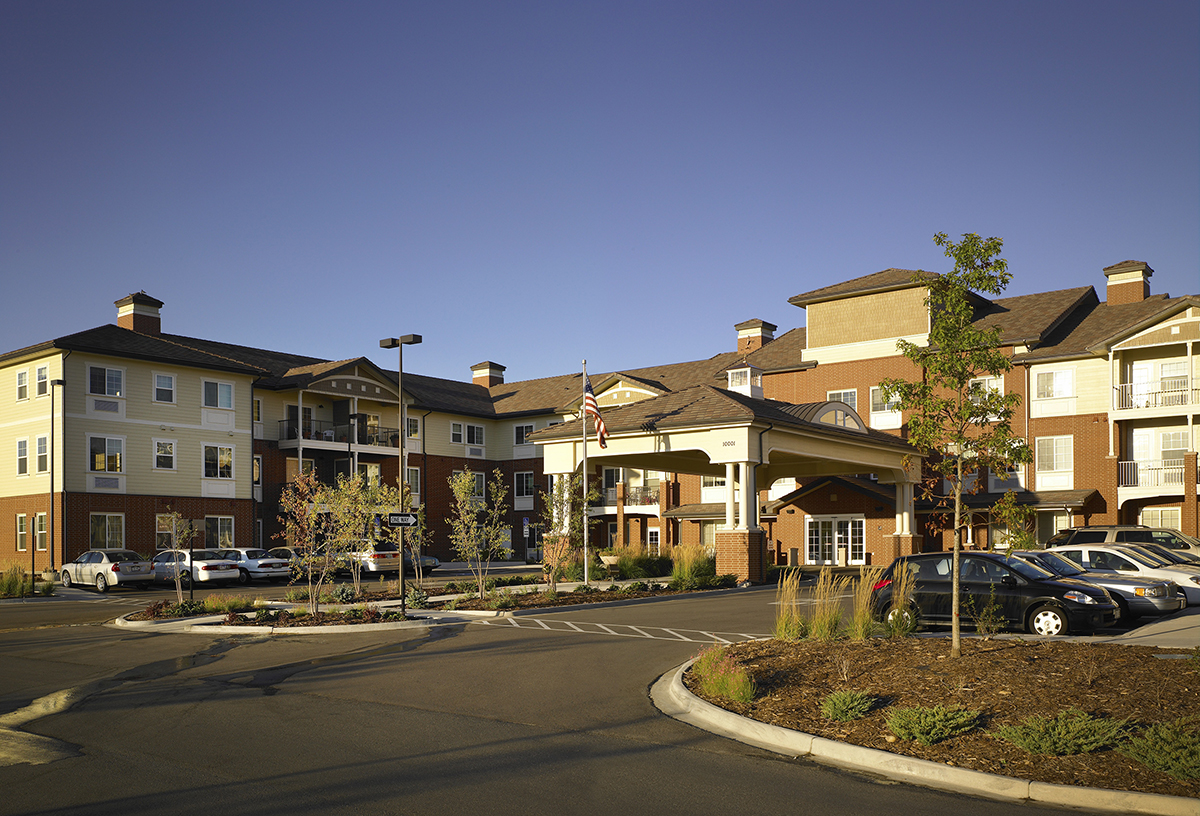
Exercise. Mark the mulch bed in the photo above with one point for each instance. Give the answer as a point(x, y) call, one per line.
point(1007, 680)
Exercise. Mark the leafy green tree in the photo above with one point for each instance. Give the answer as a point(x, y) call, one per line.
point(305, 525)
point(955, 418)
point(563, 515)
point(353, 505)
point(478, 531)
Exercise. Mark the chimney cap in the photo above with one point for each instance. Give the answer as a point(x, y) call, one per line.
point(139, 299)
point(1128, 266)
point(487, 365)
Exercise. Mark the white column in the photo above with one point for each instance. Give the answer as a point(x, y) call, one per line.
point(747, 515)
point(730, 472)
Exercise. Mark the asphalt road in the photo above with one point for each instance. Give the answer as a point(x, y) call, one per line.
point(547, 715)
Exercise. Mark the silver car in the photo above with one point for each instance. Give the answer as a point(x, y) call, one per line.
point(105, 568)
point(1136, 596)
point(255, 563)
point(1128, 559)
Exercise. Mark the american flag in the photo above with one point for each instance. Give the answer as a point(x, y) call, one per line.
point(590, 407)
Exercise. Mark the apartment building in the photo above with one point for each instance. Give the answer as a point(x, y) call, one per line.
point(781, 448)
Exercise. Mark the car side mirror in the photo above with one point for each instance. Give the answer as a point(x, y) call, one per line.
point(1008, 581)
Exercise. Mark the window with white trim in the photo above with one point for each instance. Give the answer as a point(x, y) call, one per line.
point(884, 413)
point(474, 434)
point(1055, 384)
point(106, 382)
point(22, 532)
point(414, 483)
point(22, 457)
point(164, 388)
point(848, 396)
point(523, 490)
point(218, 394)
point(164, 531)
point(218, 462)
point(256, 471)
point(105, 453)
point(42, 445)
point(218, 532)
point(22, 385)
point(1169, 517)
point(479, 483)
point(1055, 454)
point(652, 541)
point(39, 532)
point(164, 454)
point(456, 432)
point(107, 531)
point(42, 378)
point(520, 432)
point(414, 427)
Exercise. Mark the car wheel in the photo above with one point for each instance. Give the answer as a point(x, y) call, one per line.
point(243, 577)
point(66, 579)
point(905, 618)
point(1047, 621)
point(101, 583)
point(185, 580)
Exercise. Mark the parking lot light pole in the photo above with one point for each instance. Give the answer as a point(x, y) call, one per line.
point(50, 544)
point(399, 343)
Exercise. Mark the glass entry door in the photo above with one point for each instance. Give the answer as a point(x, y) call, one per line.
point(826, 534)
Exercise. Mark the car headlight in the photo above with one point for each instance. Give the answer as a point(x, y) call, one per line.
point(1195, 579)
point(1151, 592)
point(1079, 597)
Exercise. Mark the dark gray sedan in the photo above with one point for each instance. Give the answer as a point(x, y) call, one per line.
point(105, 568)
point(1135, 596)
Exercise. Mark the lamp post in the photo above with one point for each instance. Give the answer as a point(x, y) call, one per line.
point(50, 544)
point(399, 343)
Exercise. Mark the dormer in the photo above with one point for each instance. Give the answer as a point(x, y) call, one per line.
point(745, 379)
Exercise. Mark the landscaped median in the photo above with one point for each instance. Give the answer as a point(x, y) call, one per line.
point(672, 697)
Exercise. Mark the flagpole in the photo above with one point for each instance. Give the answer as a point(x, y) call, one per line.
point(583, 416)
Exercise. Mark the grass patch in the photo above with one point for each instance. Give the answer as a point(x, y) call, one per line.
point(932, 724)
point(825, 620)
point(215, 604)
point(1069, 732)
point(862, 617)
point(846, 705)
point(720, 676)
point(15, 583)
point(789, 623)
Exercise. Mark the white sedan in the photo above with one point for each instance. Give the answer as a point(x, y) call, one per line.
point(1129, 559)
point(195, 565)
point(254, 563)
point(105, 568)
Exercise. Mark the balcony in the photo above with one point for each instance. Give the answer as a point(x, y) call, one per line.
point(637, 500)
point(1153, 473)
point(1169, 392)
point(327, 434)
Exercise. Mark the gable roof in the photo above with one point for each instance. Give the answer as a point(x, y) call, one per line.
point(1093, 328)
point(886, 281)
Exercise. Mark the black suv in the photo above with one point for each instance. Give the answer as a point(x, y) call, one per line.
point(1030, 598)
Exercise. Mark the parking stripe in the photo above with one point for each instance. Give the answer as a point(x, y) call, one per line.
point(621, 630)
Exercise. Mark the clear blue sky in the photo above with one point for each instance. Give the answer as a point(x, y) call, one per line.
point(535, 183)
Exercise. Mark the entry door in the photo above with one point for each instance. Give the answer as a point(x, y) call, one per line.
point(820, 548)
point(1140, 375)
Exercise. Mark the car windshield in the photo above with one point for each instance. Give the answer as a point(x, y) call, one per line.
point(206, 555)
point(384, 546)
point(1027, 569)
point(124, 555)
point(1146, 559)
point(257, 554)
point(1056, 563)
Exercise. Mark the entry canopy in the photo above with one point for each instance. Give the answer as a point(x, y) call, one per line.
point(701, 429)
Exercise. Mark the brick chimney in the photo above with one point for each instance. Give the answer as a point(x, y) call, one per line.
point(139, 312)
point(1128, 282)
point(487, 374)
point(754, 334)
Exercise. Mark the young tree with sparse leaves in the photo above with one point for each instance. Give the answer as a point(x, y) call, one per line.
point(182, 534)
point(564, 513)
point(478, 531)
point(954, 418)
point(304, 525)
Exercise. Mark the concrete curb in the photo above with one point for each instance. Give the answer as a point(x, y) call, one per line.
point(211, 624)
point(672, 698)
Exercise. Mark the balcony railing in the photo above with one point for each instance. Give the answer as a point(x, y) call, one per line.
point(321, 431)
point(1151, 473)
point(634, 496)
point(1165, 393)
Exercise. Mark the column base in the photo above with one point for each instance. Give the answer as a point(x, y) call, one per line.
point(742, 553)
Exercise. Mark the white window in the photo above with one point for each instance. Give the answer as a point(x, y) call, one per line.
point(164, 454)
point(739, 378)
point(456, 432)
point(414, 482)
point(39, 531)
point(1055, 384)
point(652, 542)
point(22, 532)
point(218, 532)
point(256, 472)
point(885, 414)
point(256, 409)
point(22, 385)
point(1169, 517)
point(218, 462)
point(1054, 461)
point(523, 485)
point(979, 388)
point(22, 457)
point(1174, 445)
point(850, 397)
point(43, 454)
point(218, 394)
point(474, 434)
point(520, 432)
point(164, 531)
point(105, 454)
point(414, 427)
point(107, 531)
point(164, 388)
point(370, 472)
point(106, 382)
point(43, 380)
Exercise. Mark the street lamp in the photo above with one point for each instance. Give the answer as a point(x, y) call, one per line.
point(399, 343)
point(50, 544)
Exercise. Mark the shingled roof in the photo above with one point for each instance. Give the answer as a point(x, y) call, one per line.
point(1091, 329)
point(885, 281)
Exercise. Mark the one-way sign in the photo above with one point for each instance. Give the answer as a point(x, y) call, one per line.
point(402, 520)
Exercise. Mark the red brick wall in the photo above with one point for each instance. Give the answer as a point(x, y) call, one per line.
point(140, 512)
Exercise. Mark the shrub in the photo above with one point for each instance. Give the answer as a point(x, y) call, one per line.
point(296, 594)
point(1069, 732)
point(15, 584)
point(504, 600)
point(989, 620)
point(46, 589)
point(392, 615)
point(585, 589)
point(417, 598)
point(343, 593)
point(551, 595)
point(719, 676)
point(637, 586)
point(844, 706)
point(216, 603)
point(825, 623)
point(789, 624)
point(930, 725)
point(1171, 747)
point(862, 618)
